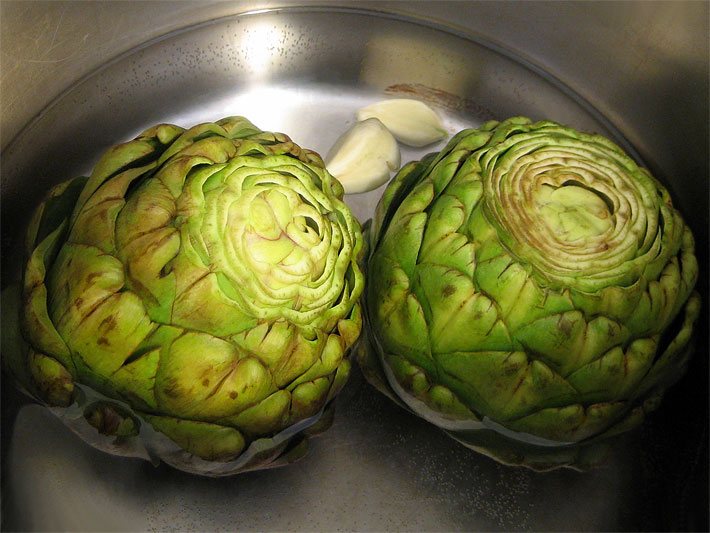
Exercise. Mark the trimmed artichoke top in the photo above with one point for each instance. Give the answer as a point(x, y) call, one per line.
point(208, 278)
point(533, 277)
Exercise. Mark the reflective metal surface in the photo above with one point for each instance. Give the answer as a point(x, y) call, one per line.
point(304, 72)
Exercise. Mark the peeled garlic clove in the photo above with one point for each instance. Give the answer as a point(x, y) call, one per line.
point(412, 122)
point(363, 157)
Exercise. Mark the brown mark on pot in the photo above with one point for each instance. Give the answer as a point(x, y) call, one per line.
point(441, 98)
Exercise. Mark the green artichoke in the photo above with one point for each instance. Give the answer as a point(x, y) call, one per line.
point(530, 290)
point(200, 285)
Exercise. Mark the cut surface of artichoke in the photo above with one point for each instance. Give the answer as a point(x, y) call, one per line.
point(412, 122)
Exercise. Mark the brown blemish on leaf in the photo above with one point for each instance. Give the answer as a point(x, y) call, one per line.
point(108, 323)
point(448, 291)
point(565, 325)
point(92, 277)
point(172, 389)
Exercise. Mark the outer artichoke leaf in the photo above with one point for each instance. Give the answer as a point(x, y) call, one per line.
point(35, 323)
point(52, 380)
point(147, 260)
point(161, 336)
point(151, 207)
point(412, 378)
point(397, 189)
point(616, 374)
point(95, 224)
point(216, 149)
point(520, 298)
point(116, 159)
point(267, 341)
point(191, 203)
point(417, 383)
point(110, 333)
point(651, 309)
point(556, 339)
point(79, 280)
point(444, 401)
point(465, 142)
point(111, 419)
point(173, 173)
point(484, 234)
point(403, 242)
point(349, 328)
point(189, 265)
point(502, 385)
point(615, 302)
point(331, 356)
point(669, 236)
point(399, 314)
point(309, 397)
point(211, 442)
point(96, 227)
point(220, 383)
point(672, 361)
point(135, 380)
point(256, 149)
point(688, 266)
point(442, 172)
point(502, 130)
point(535, 303)
point(339, 380)
point(300, 355)
point(442, 244)
point(467, 188)
point(268, 416)
point(190, 136)
point(39, 330)
point(459, 317)
point(671, 287)
point(624, 422)
point(601, 335)
point(203, 306)
point(237, 127)
point(418, 199)
point(163, 133)
point(658, 305)
point(54, 211)
point(280, 144)
point(571, 423)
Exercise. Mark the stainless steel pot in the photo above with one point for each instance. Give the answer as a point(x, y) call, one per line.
point(73, 82)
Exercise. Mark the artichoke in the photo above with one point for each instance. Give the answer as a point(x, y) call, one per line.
point(530, 290)
point(195, 298)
